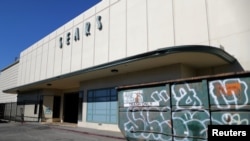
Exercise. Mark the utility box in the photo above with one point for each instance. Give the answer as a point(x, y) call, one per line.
point(181, 110)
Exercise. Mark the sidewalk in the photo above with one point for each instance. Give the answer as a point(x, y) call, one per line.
point(82, 130)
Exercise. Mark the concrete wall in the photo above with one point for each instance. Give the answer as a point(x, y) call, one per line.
point(48, 103)
point(48, 108)
point(8, 79)
point(137, 26)
point(28, 102)
point(229, 27)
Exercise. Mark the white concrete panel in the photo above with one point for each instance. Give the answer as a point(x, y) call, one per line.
point(44, 62)
point(22, 53)
point(229, 24)
point(88, 44)
point(6, 98)
point(66, 56)
point(89, 13)
point(102, 38)
point(33, 64)
point(136, 27)
point(8, 79)
point(58, 56)
point(28, 64)
point(22, 62)
point(23, 66)
point(25, 52)
point(227, 17)
point(29, 50)
point(38, 63)
point(33, 47)
point(19, 75)
point(52, 35)
point(39, 43)
point(117, 49)
point(238, 46)
point(46, 39)
point(102, 5)
point(68, 25)
point(78, 19)
point(190, 22)
point(160, 24)
point(51, 57)
point(60, 31)
point(114, 1)
point(76, 57)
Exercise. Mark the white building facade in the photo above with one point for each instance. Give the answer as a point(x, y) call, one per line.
point(71, 75)
point(8, 79)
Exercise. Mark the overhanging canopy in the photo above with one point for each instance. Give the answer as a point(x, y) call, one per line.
point(196, 56)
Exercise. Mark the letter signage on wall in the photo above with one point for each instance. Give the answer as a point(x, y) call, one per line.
point(77, 32)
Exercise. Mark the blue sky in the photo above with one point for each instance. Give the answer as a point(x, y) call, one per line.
point(24, 22)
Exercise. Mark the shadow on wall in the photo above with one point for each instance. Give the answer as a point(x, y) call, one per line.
point(234, 67)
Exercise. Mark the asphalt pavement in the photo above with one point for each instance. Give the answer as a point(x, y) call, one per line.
point(33, 131)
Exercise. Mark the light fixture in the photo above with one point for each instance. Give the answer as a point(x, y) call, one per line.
point(49, 84)
point(114, 70)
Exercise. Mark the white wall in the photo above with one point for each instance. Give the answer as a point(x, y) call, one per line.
point(160, 24)
point(48, 108)
point(229, 25)
point(132, 27)
point(8, 79)
point(76, 52)
point(190, 22)
point(51, 55)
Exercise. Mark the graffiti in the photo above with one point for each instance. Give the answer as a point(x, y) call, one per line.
point(229, 93)
point(187, 95)
point(193, 122)
point(190, 123)
point(160, 96)
point(233, 119)
point(229, 89)
point(48, 111)
point(184, 111)
point(149, 119)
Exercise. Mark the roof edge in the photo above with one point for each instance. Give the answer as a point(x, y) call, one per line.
point(14, 63)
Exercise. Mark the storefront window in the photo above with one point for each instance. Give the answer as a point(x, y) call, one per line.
point(102, 106)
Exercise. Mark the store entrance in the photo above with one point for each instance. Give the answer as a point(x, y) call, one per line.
point(71, 107)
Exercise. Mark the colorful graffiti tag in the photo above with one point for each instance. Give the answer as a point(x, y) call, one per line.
point(183, 111)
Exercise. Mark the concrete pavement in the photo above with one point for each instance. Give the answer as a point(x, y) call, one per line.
point(82, 130)
point(34, 131)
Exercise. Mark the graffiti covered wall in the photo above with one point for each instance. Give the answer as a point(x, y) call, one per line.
point(182, 111)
